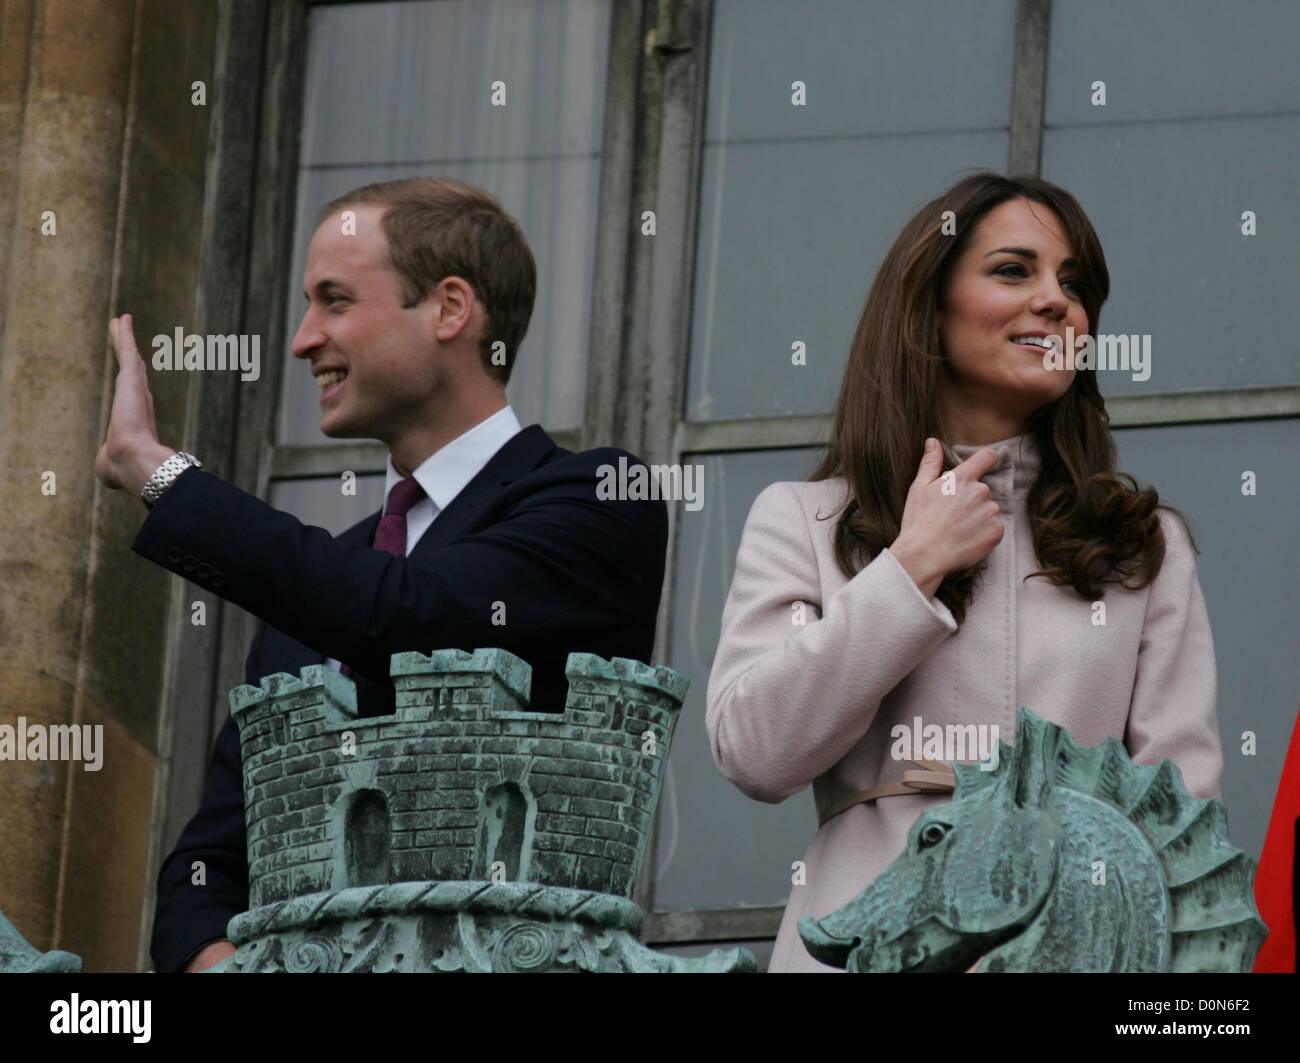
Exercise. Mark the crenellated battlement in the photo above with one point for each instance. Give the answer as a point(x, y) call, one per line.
point(460, 783)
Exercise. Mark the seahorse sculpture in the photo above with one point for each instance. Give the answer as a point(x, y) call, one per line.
point(1064, 858)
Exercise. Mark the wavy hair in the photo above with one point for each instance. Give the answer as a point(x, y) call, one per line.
point(1091, 525)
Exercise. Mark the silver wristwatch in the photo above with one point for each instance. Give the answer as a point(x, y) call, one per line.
point(165, 475)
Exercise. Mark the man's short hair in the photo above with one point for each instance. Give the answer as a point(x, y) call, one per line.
point(438, 228)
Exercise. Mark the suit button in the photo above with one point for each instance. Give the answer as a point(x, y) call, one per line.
point(204, 569)
point(190, 563)
point(218, 578)
point(174, 554)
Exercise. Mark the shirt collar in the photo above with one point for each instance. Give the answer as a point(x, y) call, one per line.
point(444, 474)
point(1016, 468)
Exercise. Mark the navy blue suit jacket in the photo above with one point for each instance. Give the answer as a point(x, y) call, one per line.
point(575, 573)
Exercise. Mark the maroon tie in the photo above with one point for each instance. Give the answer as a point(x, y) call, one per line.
point(391, 533)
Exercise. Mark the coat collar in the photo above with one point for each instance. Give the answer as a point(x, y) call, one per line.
point(1016, 469)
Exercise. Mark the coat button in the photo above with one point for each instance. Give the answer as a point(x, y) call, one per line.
point(218, 578)
point(174, 554)
point(190, 563)
point(204, 570)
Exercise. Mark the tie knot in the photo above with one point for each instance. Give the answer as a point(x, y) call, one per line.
point(403, 497)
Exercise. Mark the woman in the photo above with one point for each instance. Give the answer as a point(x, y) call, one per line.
point(887, 589)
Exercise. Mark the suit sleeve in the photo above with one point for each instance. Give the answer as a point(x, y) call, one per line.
point(787, 701)
point(1173, 712)
point(190, 914)
point(560, 569)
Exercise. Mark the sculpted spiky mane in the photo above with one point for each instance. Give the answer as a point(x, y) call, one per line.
point(1055, 837)
point(1209, 880)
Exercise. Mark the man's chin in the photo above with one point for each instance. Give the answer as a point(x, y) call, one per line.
point(339, 430)
point(335, 428)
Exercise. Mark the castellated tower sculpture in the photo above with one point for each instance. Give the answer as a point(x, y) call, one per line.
point(461, 833)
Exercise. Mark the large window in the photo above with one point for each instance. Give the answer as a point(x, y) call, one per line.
point(782, 148)
point(505, 95)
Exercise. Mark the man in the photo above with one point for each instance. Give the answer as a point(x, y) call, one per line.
point(419, 293)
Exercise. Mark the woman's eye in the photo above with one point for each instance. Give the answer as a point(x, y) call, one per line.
point(1020, 270)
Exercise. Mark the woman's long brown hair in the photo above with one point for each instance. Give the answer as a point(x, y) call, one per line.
point(1090, 526)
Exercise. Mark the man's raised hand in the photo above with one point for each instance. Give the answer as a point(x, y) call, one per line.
point(131, 451)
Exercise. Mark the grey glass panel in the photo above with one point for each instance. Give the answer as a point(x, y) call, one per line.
point(322, 503)
point(799, 204)
point(404, 90)
point(870, 67)
point(1248, 572)
point(1171, 59)
point(413, 82)
point(1201, 123)
point(717, 848)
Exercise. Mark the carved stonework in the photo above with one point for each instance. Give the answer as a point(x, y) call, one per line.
point(477, 927)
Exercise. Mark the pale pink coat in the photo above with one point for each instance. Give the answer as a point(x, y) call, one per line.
point(791, 705)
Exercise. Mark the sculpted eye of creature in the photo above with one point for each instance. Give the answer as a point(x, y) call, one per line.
point(932, 834)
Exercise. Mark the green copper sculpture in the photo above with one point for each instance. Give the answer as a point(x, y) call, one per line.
point(18, 957)
point(461, 833)
point(1065, 858)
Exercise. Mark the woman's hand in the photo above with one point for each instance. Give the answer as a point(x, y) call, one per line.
point(950, 521)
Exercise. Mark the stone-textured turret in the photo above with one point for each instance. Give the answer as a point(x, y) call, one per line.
point(533, 824)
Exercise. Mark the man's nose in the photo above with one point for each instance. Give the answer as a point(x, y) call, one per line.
point(308, 337)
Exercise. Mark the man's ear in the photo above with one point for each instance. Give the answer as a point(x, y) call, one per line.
point(455, 300)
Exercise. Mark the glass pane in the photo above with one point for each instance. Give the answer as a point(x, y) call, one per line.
point(405, 89)
point(799, 204)
point(1200, 124)
point(718, 848)
point(1247, 571)
point(322, 503)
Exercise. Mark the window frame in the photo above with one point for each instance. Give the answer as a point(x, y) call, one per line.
point(640, 328)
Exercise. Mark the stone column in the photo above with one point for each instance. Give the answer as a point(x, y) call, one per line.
point(97, 128)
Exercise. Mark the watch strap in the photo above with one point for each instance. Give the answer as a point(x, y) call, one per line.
point(165, 475)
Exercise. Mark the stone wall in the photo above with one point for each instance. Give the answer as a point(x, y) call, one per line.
point(102, 163)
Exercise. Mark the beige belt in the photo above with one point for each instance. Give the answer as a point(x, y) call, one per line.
point(935, 777)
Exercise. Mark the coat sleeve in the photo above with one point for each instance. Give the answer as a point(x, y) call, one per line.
point(787, 701)
point(571, 568)
point(1173, 712)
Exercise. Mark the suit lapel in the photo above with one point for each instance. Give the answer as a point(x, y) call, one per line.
point(522, 454)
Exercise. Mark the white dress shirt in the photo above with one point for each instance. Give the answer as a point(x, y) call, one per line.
point(446, 472)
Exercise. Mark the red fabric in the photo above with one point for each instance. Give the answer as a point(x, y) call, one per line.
point(1274, 885)
point(390, 535)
